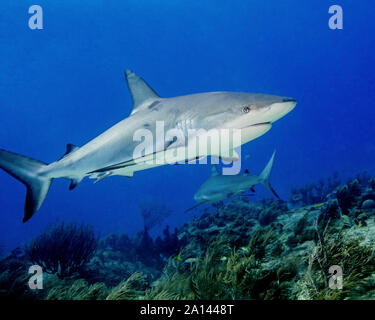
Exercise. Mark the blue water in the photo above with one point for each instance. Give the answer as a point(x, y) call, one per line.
point(65, 84)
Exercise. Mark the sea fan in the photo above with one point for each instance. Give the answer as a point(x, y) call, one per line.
point(63, 249)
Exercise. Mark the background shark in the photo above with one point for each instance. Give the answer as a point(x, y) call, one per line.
point(111, 153)
point(219, 187)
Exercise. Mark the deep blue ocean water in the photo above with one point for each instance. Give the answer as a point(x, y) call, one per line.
point(65, 84)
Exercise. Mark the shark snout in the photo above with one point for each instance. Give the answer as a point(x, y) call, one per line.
point(198, 197)
point(280, 109)
point(272, 112)
point(289, 100)
point(201, 197)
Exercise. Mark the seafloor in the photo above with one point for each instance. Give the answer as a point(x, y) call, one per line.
point(239, 250)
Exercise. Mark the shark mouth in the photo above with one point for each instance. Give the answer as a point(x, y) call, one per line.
point(254, 131)
point(255, 125)
point(260, 124)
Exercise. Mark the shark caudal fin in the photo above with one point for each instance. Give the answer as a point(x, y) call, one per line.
point(264, 177)
point(27, 171)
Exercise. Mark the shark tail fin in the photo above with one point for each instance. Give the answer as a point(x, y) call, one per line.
point(264, 177)
point(27, 171)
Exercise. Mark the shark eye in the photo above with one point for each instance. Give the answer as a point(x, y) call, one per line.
point(246, 109)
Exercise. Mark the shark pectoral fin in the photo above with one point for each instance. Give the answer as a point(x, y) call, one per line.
point(102, 176)
point(194, 206)
point(124, 172)
point(74, 182)
point(140, 91)
point(229, 159)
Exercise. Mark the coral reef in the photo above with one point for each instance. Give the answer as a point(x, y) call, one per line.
point(288, 259)
point(334, 249)
point(63, 249)
point(315, 192)
point(118, 257)
point(77, 290)
point(169, 244)
point(14, 277)
point(238, 250)
point(227, 273)
point(131, 289)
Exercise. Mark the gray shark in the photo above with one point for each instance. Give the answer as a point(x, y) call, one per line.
point(112, 152)
point(219, 187)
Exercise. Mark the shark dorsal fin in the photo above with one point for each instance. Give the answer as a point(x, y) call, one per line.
point(214, 171)
point(69, 149)
point(140, 91)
